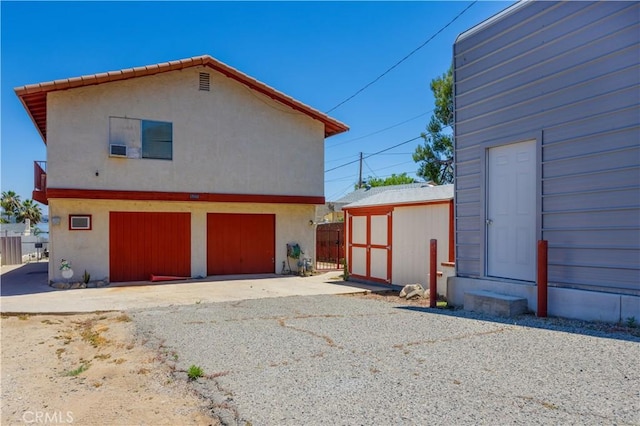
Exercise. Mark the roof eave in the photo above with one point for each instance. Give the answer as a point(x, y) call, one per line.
point(332, 126)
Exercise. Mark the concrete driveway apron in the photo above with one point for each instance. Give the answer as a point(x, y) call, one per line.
point(25, 290)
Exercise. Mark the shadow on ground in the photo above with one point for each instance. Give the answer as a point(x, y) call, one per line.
point(587, 328)
point(30, 278)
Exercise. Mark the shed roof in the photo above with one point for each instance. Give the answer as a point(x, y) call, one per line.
point(34, 96)
point(404, 196)
point(361, 193)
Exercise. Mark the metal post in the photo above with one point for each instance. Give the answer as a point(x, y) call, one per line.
point(542, 278)
point(433, 273)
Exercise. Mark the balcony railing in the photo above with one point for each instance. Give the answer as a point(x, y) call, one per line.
point(40, 181)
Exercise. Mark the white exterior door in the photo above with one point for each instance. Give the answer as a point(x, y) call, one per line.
point(511, 212)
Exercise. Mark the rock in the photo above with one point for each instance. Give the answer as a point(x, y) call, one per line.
point(92, 284)
point(60, 285)
point(74, 286)
point(412, 290)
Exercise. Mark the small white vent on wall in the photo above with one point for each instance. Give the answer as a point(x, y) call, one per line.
point(116, 150)
point(204, 81)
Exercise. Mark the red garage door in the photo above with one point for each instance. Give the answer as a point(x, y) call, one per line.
point(240, 243)
point(145, 243)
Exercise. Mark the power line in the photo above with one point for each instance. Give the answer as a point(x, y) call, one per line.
point(351, 177)
point(370, 169)
point(335, 160)
point(380, 131)
point(395, 165)
point(341, 192)
point(402, 60)
point(375, 153)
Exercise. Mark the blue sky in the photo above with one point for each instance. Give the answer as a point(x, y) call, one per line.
point(317, 52)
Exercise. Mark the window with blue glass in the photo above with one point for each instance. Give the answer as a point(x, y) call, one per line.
point(157, 139)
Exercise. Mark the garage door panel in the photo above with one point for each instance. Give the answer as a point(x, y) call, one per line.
point(146, 243)
point(240, 243)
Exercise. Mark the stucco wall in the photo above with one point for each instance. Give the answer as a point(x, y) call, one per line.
point(90, 249)
point(413, 228)
point(228, 140)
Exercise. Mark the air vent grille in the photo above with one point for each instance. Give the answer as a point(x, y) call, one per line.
point(204, 82)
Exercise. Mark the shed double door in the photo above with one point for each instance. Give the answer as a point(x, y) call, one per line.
point(370, 246)
point(240, 243)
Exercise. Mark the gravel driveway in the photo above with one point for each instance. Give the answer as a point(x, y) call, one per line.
point(346, 360)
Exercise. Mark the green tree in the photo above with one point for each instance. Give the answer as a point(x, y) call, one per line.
point(394, 179)
point(11, 204)
point(435, 157)
point(30, 210)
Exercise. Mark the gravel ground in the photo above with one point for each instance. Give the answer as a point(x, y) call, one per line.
point(347, 360)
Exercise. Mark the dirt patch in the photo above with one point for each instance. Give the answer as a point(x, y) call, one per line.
point(89, 370)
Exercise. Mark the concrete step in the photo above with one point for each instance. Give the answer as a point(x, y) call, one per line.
point(494, 304)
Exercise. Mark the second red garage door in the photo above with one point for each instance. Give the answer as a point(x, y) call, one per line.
point(240, 243)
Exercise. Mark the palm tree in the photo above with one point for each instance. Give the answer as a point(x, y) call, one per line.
point(30, 210)
point(11, 203)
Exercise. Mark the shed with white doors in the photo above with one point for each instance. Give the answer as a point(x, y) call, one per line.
point(547, 147)
point(388, 235)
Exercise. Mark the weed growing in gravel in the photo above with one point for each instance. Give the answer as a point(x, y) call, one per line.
point(194, 372)
point(93, 337)
point(23, 317)
point(631, 322)
point(72, 373)
point(102, 356)
point(123, 318)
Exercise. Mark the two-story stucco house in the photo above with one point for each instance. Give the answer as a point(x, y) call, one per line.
point(547, 147)
point(185, 168)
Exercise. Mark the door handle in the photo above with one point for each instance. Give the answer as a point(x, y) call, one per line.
point(489, 222)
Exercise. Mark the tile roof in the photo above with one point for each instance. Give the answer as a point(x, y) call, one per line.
point(406, 196)
point(34, 96)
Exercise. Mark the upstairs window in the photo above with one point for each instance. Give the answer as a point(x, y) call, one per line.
point(134, 138)
point(157, 139)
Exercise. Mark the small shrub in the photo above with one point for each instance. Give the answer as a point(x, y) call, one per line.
point(81, 369)
point(194, 372)
point(123, 318)
point(632, 322)
point(86, 277)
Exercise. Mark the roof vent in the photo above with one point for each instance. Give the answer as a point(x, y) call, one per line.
point(204, 81)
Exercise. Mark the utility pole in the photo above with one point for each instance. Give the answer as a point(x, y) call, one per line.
point(360, 174)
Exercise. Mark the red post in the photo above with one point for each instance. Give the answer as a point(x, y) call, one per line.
point(433, 273)
point(542, 278)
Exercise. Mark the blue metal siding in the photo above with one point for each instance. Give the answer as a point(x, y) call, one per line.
point(569, 71)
